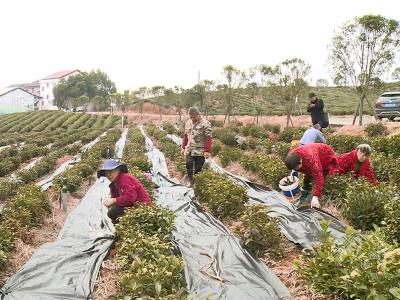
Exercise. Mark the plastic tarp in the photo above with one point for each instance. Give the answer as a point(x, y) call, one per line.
point(68, 267)
point(299, 226)
point(216, 265)
point(119, 146)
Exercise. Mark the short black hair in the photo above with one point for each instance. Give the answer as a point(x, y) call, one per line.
point(292, 161)
point(311, 95)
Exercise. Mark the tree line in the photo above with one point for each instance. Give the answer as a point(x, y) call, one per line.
point(362, 51)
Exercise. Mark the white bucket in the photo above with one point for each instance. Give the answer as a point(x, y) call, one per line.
point(292, 192)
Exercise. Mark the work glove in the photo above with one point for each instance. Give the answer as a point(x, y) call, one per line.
point(315, 202)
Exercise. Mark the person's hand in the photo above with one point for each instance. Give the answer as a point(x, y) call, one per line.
point(315, 202)
point(207, 154)
point(110, 201)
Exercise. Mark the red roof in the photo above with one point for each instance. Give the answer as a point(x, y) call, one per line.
point(59, 75)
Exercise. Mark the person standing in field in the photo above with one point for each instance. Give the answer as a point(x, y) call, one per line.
point(196, 143)
point(316, 108)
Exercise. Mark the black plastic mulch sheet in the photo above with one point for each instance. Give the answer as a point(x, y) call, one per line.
point(302, 226)
point(216, 264)
point(67, 268)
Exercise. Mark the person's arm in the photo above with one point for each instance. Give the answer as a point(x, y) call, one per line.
point(319, 180)
point(321, 137)
point(184, 140)
point(319, 105)
point(129, 195)
point(345, 162)
point(369, 173)
point(207, 138)
point(309, 107)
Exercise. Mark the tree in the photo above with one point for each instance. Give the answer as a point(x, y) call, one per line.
point(209, 88)
point(235, 79)
point(158, 94)
point(99, 103)
point(396, 74)
point(287, 81)
point(321, 83)
point(95, 83)
point(123, 101)
point(363, 51)
point(140, 97)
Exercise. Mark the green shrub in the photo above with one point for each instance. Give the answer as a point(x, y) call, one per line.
point(216, 123)
point(216, 147)
point(228, 155)
point(363, 266)
point(149, 219)
point(169, 128)
point(386, 169)
point(364, 204)
point(270, 168)
point(335, 188)
point(276, 129)
point(225, 198)
point(8, 188)
point(291, 133)
point(376, 129)
point(344, 143)
point(391, 219)
point(282, 149)
point(260, 232)
point(225, 136)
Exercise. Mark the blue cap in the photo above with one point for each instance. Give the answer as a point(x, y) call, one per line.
point(111, 164)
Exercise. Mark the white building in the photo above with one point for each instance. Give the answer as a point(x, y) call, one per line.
point(47, 85)
point(32, 87)
point(17, 100)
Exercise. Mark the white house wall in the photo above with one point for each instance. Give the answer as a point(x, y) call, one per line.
point(18, 99)
point(46, 91)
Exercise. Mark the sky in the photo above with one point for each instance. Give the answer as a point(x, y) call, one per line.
point(167, 42)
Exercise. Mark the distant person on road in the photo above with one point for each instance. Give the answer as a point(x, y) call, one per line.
point(316, 108)
point(315, 161)
point(126, 190)
point(357, 161)
point(313, 135)
point(196, 143)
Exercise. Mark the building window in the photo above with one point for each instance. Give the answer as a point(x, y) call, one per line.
point(47, 97)
point(47, 84)
point(42, 88)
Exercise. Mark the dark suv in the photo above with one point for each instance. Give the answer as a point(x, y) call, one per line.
point(388, 105)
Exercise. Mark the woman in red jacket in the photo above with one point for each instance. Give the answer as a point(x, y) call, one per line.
point(357, 161)
point(125, 189)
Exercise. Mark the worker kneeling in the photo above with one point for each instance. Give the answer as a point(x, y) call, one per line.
point(315, 161)
point(357, 161)
point(126, 190)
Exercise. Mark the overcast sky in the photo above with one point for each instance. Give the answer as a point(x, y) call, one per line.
point(166, 42)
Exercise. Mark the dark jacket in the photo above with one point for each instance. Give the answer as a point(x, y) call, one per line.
point(317, 112)
point(128, 191)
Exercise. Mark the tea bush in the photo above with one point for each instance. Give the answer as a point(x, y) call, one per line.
point(24, 210)
point(376, 129)
point(335, 188)
point(386, 169)
point(216, 147)
point(225, 136)
point(364, 204)
point(363, 266)
point(291, 133)
point(391, 218)
point(270, 168)
point(282, 149)
point(276, 129)
point(344, 143)
point(147, 268)
point(228, 155)
point(260, 232)
point(225, 198)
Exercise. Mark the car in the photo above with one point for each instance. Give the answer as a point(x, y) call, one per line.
point(388, 105)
